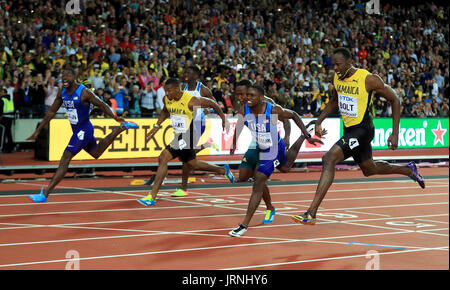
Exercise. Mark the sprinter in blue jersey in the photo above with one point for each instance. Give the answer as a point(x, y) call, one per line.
point(77, 100)
point(261, 118)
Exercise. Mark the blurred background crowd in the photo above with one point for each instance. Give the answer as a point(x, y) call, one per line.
point(125, 49)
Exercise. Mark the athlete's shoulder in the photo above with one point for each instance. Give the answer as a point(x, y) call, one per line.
point(363, 72)
point(268, 99)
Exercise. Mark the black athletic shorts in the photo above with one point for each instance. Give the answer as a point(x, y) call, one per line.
point(185, 155)
point(356, 142)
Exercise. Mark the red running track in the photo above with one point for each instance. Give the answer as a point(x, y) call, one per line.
point(385, 223)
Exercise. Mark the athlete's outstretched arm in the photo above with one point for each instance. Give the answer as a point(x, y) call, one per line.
point(209, 103)
point(331, 107)
point(162, 117)
point(48, 116)
point(206, 92)
point(289, 114)
point(286, 124)
point(375, 83)
point(238, 129)
point(89, 97)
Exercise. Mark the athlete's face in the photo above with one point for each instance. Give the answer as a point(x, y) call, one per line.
point(340, 64)
point(67, 78)
point(241, 94)
point(189, 75)
point(253, 97)
point(172, 92)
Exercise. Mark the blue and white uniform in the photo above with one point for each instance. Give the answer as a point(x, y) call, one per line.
point(271, 147)
point(199, 115)
point(78, 115)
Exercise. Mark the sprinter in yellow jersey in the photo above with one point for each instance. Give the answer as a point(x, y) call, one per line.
point(179, 106)
point(352, 91)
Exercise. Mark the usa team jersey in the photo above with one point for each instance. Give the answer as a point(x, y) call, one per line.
point(271, 147)
point(78, 115)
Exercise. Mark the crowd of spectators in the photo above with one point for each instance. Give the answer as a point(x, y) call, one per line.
point(125, 49)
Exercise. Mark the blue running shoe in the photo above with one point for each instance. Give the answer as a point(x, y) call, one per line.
point(148, 200)
point(306, 218)
point(228, 174)
point(38, 198)
point(416, 175)
point(270, 214)
point(129, 125)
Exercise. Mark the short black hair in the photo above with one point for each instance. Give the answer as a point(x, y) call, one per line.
point(259, 88)
point(245, 83)
point(69, 68)
point(174, 82)
point(344, 51)
point(195, 69)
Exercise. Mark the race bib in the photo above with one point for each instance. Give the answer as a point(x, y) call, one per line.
point(264, 140)
point(72, 115)
point(179, 123)
point(348, 106)
point(182, 144)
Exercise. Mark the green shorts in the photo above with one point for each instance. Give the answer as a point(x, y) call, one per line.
point(250, 159)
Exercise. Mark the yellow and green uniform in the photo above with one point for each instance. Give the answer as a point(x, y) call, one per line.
point(355, 104)
point(181, 116)
point(354, 100)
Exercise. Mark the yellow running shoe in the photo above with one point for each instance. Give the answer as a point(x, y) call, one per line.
point(179, 193)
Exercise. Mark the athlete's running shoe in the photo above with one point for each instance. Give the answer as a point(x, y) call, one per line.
point(129, 125)
point(228, 174)
point(179, 193)
point(38, 198)
point(270, 214)
point(416, 175)
point(239, 231)
point(306, 218)
point(214, 144)
point(148, 200)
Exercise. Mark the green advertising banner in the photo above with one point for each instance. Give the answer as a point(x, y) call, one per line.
point(414, 133)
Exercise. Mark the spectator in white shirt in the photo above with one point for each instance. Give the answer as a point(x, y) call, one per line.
point(51, 91)
point(160, 93)
point(147, 101)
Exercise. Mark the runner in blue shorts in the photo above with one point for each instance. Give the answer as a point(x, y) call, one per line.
point(78, 101)
point(250, 161)
point(261, 118)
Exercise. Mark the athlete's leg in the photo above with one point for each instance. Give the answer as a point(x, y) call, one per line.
point(245, 174)
point(60, 172)
point(371, 167)
point(186, 170)
point(105, 142)
point(255, 199)
point(291, 154)
point(205, 145)
point(161, 173)
point(266, 197)
point(205, 166)
point(329, 161)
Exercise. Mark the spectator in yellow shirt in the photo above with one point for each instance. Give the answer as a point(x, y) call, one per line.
point(419, 93)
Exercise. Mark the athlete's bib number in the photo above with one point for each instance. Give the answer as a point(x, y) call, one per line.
point(348, 106)
point(179, 123)
point(264, 140)
point(72, 115)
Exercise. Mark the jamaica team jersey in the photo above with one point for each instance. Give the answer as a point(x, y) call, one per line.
point(354, 100)
point(180, 114)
